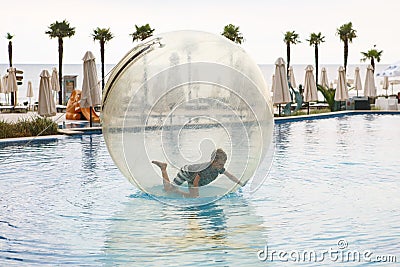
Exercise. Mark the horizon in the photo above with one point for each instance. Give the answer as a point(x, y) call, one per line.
point(257, 21)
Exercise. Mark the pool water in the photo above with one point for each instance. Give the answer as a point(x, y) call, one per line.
point(332, 182)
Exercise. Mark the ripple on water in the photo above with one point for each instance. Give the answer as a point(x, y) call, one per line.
point(65, 202)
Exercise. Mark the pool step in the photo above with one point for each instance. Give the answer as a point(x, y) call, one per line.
point(69, 132)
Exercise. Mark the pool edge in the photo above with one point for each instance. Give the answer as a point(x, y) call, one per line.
point(277, 120)
point(336, 114)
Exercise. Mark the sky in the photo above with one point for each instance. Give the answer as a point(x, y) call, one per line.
point(262, 23)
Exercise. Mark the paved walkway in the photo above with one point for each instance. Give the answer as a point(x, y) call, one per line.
point(13, 117)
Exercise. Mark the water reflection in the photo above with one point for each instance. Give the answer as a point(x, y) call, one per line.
point(225, 232)
point(370, 117)
point(343, 129)
point(90, 148)
point(204, 224)
point(282, 133)
point(88, 176)
point(311, 127)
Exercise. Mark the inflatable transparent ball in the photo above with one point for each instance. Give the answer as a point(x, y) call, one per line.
point(177, 97)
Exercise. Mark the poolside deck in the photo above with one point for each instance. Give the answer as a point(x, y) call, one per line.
point(13, 117)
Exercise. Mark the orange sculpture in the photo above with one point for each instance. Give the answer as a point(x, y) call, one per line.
point(74, 110)
point(73, 106)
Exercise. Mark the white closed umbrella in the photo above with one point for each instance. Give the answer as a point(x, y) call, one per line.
point(357, 80)
point(324, 78)
point(281, 88)
point(2, 88)
point(292, 80)
point(273, 83)
point(90, 86)
point(55, 82)
point(5, 79)
point(385, 85)
point(12, 86)
point(47, 106)
point(369, 86)
point(342, 92)
point(29, 92)
point(310, 88)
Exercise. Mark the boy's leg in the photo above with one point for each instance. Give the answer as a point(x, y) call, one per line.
point(166, 182)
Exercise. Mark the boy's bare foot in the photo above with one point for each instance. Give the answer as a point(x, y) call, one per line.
point(161, 165)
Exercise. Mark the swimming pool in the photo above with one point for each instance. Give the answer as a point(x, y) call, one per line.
point(335, 180)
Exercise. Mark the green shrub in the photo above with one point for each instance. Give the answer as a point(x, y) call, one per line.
point(304, 112)
point(329, 95)
point(32, 126)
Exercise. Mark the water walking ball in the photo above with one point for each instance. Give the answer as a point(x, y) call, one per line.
point(176, 98)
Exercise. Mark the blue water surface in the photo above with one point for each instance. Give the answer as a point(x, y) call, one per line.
point(333, 186)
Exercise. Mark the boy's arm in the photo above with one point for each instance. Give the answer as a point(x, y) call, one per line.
point(194, 190)
point(233, 178)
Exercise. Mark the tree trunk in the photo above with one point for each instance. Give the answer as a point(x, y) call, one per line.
point(10, 53)
point(287, 57)
point(102, 63)
point(60, 58)
point(346, 54)
point(10, 61)
point(373, 64)
point(316, 64)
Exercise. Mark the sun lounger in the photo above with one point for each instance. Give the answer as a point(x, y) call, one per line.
point(9, 109)
point(21, 109)
point(61, 108)
point(4, 109)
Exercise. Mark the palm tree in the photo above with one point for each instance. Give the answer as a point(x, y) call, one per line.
point(103, 35)
point(9, 38)
point(142, 32)
point(346, 34)
point(372, 54)
point(315, 40)
point(60, 30)
point(233, 33)
point(290, 38)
